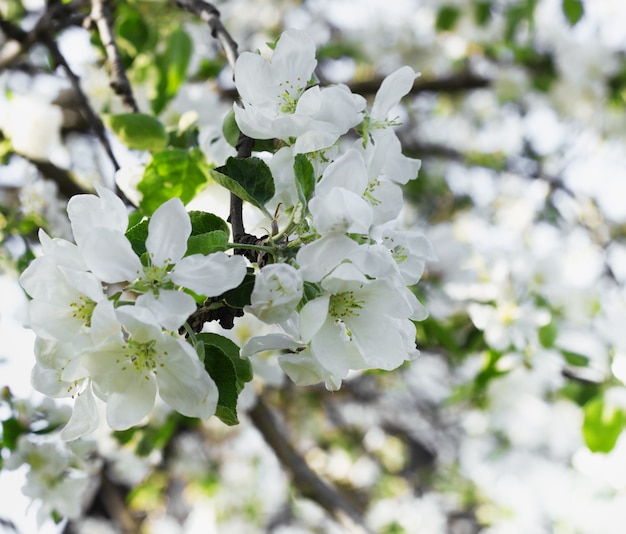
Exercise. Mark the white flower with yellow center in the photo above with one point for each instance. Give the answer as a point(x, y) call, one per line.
point(140, 360)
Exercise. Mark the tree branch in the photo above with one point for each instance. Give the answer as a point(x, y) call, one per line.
point(303, 477)
point(101, 16)
point(209, 14)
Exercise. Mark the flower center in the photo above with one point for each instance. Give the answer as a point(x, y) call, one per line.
point(344, 305)
point(142, 355)
point(288, 99)
point(83, 309)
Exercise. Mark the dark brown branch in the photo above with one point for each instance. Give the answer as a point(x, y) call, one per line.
point(94, 120)
point(209, 14)
point(101, 16)
point(303, 477)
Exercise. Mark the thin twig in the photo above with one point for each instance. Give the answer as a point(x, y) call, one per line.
point(210, 15)
point(304, 478)
point(94, 120)
point(101, 16)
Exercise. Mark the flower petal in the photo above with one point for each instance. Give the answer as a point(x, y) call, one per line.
point(171, 309)
point(391, 90)
point(128, 406)
point(168, 231)
point(209, 275)
point(109, 255)
point(84, 418)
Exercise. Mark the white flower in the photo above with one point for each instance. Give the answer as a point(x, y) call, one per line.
point(358, 324)
point(34, 128)
point(64, 294)
point(141, 359)
point(109, 255)
point(277, 291)
point(338, 205)
point(278, 105)
point(391, 90)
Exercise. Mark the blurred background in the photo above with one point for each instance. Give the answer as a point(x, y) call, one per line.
point(511, 419)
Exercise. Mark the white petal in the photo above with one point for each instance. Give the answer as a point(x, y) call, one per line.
point(168, 231)
point(209, 275)
point(128, 406)
point(303, 369)
point(347, 172)
point(84, 418)
point(253, 78)
point(318, 258)
point(87, 212)
point(393, 88)
point(336, 354)
point(187, 387)
point(109, 255)
point(312, 317)
point(293, 59)
point(341, 211)
point(171, 308)
point(268, 342)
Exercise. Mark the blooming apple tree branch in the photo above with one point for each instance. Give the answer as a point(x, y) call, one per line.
point(119, 311)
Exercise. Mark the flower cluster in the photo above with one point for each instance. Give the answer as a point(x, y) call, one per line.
point(340, 292)
point(107, 320)
point(334, 274)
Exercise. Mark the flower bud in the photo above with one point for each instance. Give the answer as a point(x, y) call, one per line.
point(277, 291)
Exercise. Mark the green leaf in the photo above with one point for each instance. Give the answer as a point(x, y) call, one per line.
point(222, 371)
point(573, 358)
point(12, 429)
point(133, 34)
point(305, 177)
point(139, 131)
point(203, 222)
point(447, 18)
point(482, 12)
point(250, 179)
point(243, 368)
point(573, 10)
point(230, 129)
point(207, 243)
point(240, 296)
point(137, 236)
point(602, 425)
point(172, 65)
point(547, 335)
point(172, 173)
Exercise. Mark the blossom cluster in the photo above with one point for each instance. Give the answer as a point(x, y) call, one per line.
point(111, 309)
point(341, 294)
point(107, 320)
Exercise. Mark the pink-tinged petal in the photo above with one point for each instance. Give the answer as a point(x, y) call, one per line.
point(209, 275)
point(84, 418)
point(109, 255)
point(87, 212)
point(392, 89)
point(168, 231)
point(171, 309)
point(127, 406)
